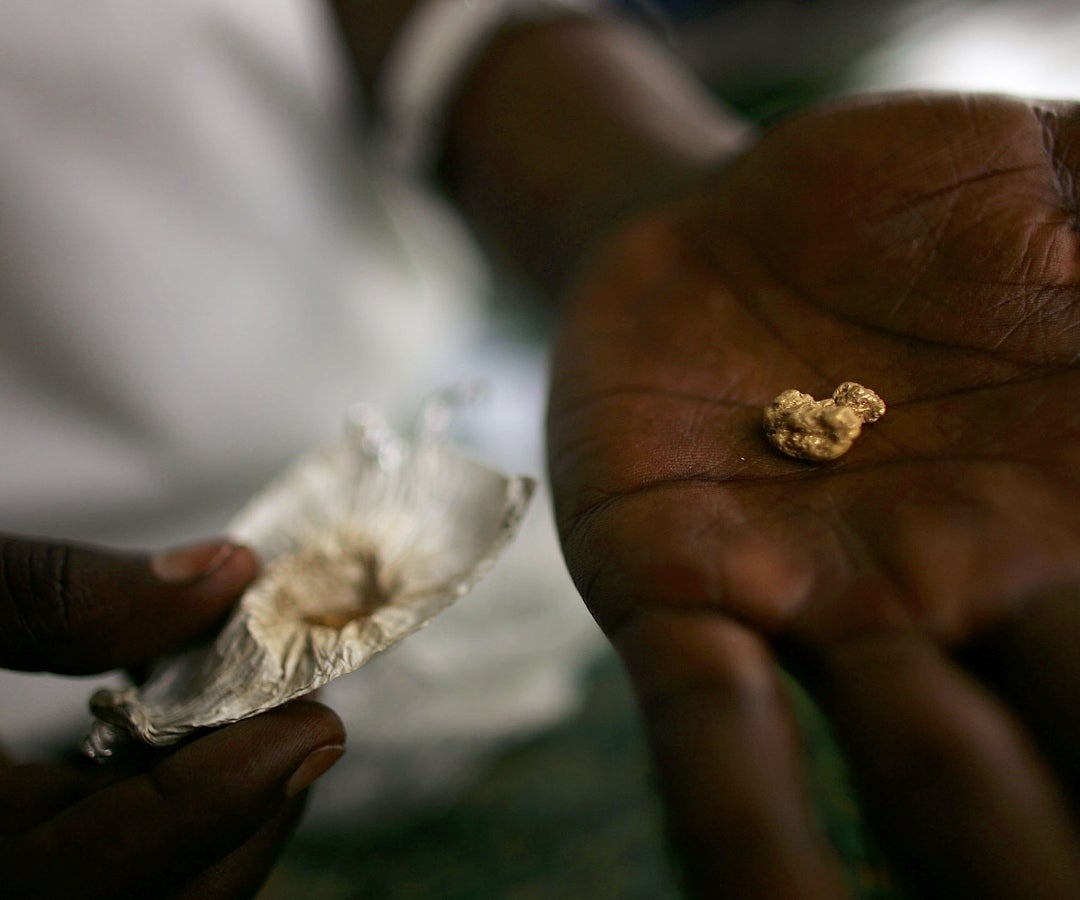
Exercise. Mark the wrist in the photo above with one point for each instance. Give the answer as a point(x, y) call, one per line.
point(564, 130)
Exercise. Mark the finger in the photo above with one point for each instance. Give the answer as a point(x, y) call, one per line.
point(33, 793)
point(243, 872)
point(75, 610)
point(728, 756)
point(962, 801)
point(148, 834)
point(1033, 664)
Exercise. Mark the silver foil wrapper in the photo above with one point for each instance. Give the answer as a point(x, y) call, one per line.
point(362, 543)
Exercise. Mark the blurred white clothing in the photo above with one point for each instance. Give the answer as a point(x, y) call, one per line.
point(200, 272)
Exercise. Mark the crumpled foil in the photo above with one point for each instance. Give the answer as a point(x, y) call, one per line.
point(362, 542)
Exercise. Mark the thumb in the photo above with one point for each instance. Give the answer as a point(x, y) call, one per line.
point(75, 610)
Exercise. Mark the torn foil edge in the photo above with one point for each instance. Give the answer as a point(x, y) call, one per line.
point(433, 520)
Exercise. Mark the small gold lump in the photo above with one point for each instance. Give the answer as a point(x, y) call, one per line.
point(820, 430)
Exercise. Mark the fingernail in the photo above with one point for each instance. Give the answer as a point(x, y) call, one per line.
point(191, 562)
point(313, 768)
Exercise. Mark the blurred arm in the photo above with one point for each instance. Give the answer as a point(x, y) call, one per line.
point(561, 130)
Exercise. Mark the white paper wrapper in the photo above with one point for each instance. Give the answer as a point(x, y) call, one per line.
point(362, 542)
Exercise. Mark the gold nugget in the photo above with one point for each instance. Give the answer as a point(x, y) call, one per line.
point(820, 430)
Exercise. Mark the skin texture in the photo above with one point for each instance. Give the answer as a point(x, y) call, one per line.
point(206, 820)
point(925, 588)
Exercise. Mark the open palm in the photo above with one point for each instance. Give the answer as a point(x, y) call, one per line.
point(926, 586)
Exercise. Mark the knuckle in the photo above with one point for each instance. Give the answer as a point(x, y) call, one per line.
point(686, 661)
point(37, 595)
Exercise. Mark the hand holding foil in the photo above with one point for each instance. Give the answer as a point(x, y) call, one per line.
point(363, 542)
point(160, 823)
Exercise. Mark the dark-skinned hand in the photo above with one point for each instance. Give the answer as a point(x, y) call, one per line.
point(206, 820)
point(924, 588)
